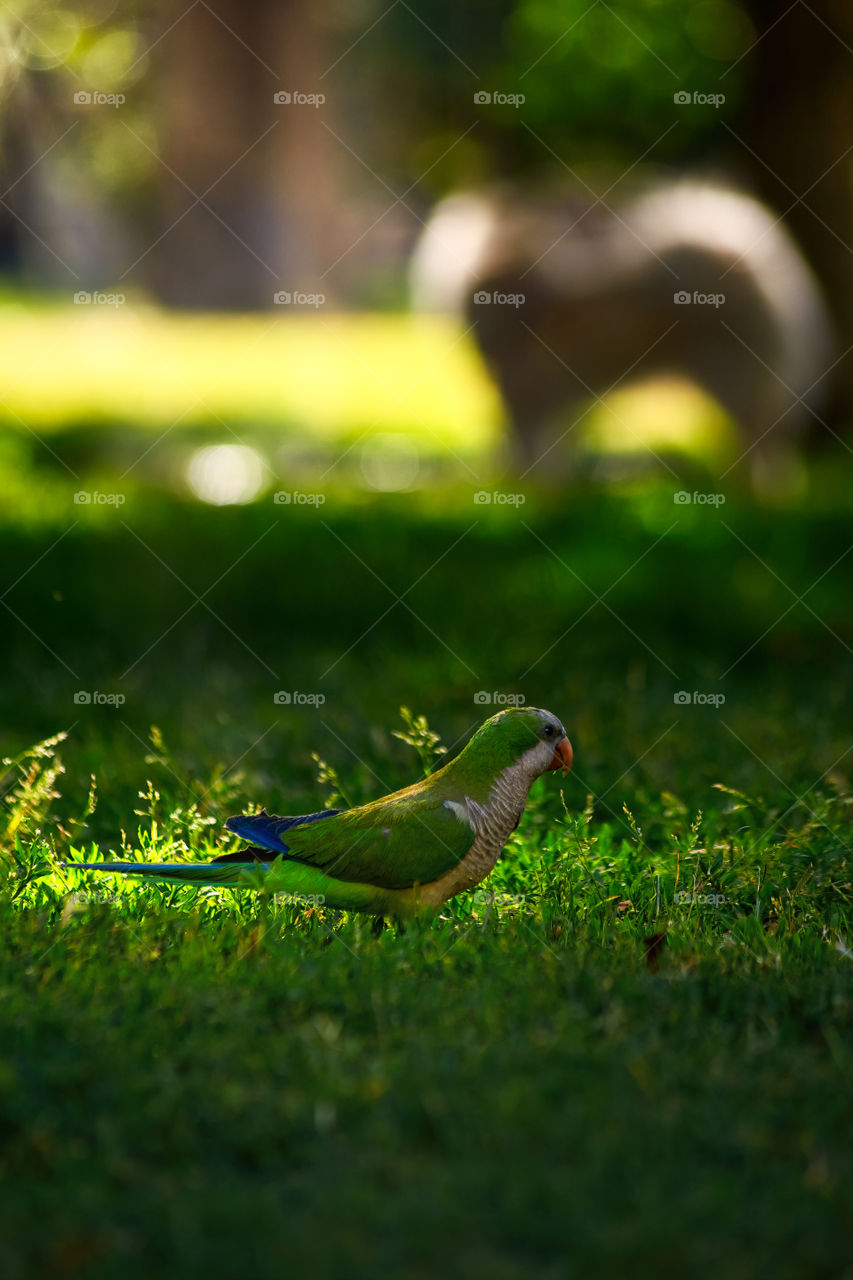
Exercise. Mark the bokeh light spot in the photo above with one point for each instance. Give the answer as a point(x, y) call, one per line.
point(226, 474)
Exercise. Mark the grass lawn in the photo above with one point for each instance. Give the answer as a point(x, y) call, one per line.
point(212, 1084)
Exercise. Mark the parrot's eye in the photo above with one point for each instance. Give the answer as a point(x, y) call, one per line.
point(548, 731)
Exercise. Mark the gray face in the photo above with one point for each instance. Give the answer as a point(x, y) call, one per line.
point(552, 731)
point(539, 756)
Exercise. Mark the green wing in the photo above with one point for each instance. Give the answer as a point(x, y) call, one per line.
point(390, 844)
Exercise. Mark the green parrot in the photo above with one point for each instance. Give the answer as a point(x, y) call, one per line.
point(409, 851)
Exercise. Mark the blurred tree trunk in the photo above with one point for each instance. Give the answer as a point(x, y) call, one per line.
point(798, 121)
point(267, 221)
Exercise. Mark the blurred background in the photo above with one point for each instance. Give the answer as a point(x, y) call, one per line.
point(367, 367)
point(236, 462)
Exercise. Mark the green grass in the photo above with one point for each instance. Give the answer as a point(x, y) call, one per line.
point(195, 1093)
point(205, 1083)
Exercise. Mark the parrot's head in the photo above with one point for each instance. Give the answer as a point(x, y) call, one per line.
point(526, 737)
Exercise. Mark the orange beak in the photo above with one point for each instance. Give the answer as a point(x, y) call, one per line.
point(563, 756)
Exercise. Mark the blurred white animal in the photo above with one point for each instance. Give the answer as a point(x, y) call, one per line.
point(570, 299)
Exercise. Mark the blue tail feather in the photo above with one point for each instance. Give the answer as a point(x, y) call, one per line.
point(265, 829)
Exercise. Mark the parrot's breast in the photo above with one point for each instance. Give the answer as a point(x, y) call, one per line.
point(493, 823)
